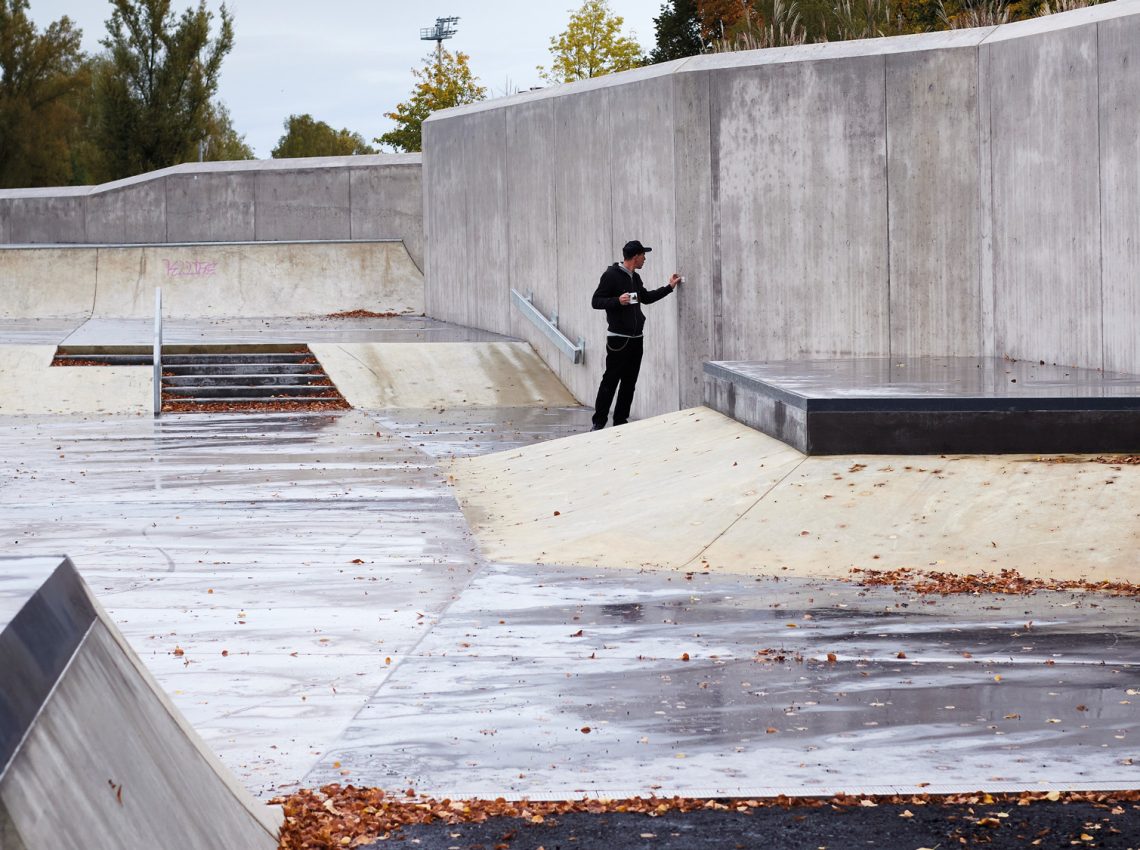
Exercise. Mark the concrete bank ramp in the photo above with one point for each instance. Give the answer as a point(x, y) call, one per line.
point(441, 375)
point(209, 280)
point(29, 384)
point(697, 491)
point(92, 753)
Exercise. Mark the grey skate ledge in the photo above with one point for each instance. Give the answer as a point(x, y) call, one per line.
point(929, 405)
point(92, 754)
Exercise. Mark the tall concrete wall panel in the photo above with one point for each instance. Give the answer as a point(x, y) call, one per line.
point(699, 307)
point(638, 115)
point(1119, 50)
point(47, 218)
point(311, 204)
point(532, 256)
point(387, 203)
point(488, 281)
point(1046, 195)
point(932, 119)
point(963, 193)
point(128, 212)
point(586, 241)
point(802, 159)
point(445, 224)
point(212, 207)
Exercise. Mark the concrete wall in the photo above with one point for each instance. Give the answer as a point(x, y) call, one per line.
point(962, 193)
point(319, 198)
point(214, 279)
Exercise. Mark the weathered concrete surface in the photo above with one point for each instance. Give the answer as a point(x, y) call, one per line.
point(117, 762)
point(694, 490)
point(441, 375)
point(354, 632)
point(262, 200)
point(210, 280)
point(29, 384)
point(1118, 49)
point(961, 193)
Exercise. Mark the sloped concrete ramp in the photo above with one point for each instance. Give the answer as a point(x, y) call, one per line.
point(696, 491)
point(445, 375)
point(29, 384)
point(92, 753)
point(209, 280)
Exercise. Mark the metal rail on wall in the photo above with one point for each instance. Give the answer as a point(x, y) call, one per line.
point(575, 351)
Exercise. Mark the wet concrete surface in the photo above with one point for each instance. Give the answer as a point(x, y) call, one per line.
point(306, 589)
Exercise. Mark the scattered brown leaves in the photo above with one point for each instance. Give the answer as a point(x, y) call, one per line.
point(336, 816)
point(362, 314)
point(271, 406)
point(1113, 460)
point(1008, 582)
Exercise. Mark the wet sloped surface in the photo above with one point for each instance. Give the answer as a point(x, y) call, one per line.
point(544, 682)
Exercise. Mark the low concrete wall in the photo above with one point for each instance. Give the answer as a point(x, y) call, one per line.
point(92, 753)
point(962, 193)
point(318, 198)
point(209, 280)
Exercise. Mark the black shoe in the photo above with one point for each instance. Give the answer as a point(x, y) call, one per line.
point(597, 427)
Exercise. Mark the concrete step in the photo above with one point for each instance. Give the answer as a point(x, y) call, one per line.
point(216, 380)
point(219, 359)
point(244, 390)
point(104, 359)
point(241, 368)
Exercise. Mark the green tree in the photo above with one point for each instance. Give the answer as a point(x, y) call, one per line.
point(41, 76)
point(305, 136)
point(154, 96)
point(223, 143)
point(591, 46)
point(443, 82)
point(678, 30)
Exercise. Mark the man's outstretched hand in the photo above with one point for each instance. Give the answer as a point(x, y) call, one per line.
point(675, 279)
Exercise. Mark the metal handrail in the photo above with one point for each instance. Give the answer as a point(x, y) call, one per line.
point(575, 351)
point(157, 351)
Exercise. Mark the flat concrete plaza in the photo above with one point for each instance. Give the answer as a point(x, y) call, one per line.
point(306, 589)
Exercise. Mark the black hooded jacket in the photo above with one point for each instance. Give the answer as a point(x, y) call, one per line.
point(624, 319)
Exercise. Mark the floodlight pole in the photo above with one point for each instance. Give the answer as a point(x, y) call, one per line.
point(444, 28)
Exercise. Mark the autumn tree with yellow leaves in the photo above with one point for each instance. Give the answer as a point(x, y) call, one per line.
point(591, 46)
point(444, 81)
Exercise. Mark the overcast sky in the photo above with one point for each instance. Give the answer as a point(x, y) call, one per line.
point(347, 62)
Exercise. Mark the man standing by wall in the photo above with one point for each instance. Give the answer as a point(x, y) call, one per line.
point(621, 293)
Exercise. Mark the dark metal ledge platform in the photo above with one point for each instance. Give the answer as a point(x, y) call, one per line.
point(929, 405)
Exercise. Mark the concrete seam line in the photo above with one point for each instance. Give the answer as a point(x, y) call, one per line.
point(745, 512)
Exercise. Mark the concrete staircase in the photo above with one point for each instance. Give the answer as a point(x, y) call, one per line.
point(255, 378)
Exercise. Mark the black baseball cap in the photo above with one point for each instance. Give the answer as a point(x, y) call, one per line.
point(632, 249)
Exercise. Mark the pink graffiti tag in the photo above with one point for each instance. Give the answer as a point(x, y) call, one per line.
point(191, 268)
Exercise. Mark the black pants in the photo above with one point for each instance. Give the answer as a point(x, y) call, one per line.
point(623, 363)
